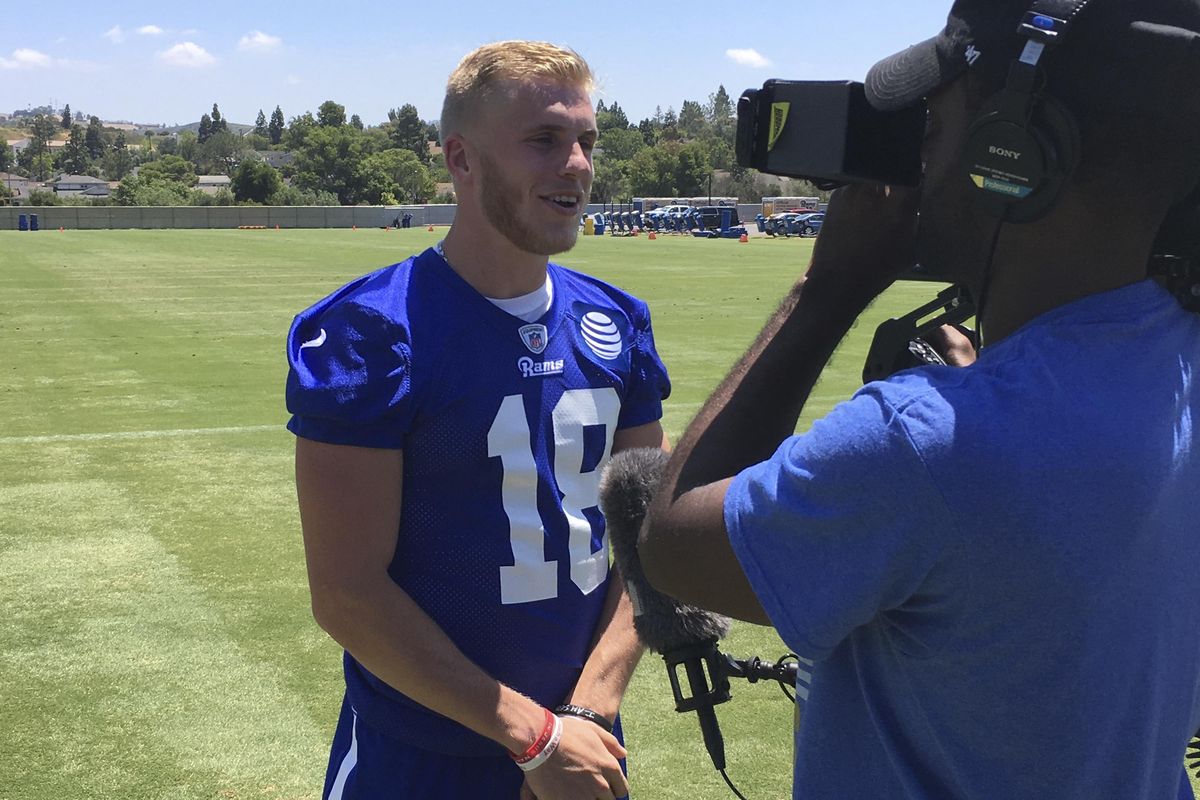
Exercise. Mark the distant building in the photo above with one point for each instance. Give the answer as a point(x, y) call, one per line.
point(19, 187)
point(211, 184)
point(76, 184)
point(276, 158)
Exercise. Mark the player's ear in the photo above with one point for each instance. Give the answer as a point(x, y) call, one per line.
point(458, 156)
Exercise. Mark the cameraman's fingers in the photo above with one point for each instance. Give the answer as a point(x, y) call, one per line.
point(869, 235)
point(954, 346)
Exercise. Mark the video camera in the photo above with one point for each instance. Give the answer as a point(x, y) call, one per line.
point(827, 133)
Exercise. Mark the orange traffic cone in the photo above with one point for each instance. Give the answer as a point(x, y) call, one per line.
point(651, 237)
point(353, 227)
point(430, 229)
point(60, 230)
point(743, 238)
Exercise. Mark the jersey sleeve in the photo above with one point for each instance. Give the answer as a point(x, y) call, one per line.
point(349, 377)
point(648, 381)
point(842, 524)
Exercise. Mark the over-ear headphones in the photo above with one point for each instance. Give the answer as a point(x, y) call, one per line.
point(1025, 143)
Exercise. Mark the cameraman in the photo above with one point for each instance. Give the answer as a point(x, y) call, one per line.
point(992, 566)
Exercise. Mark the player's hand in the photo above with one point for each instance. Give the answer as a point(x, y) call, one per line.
point(584, 767)
point(868, 238)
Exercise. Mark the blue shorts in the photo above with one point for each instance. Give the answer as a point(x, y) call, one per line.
point(365, 764)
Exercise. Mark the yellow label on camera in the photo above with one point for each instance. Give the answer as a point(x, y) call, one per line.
point(779, 113)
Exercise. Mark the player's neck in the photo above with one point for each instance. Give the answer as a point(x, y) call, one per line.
point(490, 263)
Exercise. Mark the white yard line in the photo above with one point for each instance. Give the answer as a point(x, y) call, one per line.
point(121, 435)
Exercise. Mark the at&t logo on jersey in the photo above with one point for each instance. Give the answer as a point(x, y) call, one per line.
point(533, 369)
point(601, 335)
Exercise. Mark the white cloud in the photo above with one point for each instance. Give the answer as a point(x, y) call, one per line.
point(25, 58)
point(259, 41)
point(187, 54)
point(149, 30)
point(115, 34)
point(747, 58)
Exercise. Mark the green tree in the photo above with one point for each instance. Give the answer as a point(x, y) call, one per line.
point(36, 158)
point(255, 181)
point(398, 173)
point(720, 113)
point(611, 118)
point(94, 138)
point(169, 169)
point(74, 158)
point(331, 115)
point(186, 144)
point(621, 144)
point(610, 181)
point(298, 130)
point(649, 131)
point(6, 159)
point(329, 160)
point(220, 154)
point(117, 161)
point(691, 120)
point(692, 170)
point(142, 191)
point(66, 118)
point(218, 122)
point(356, 122)
point(260, 124)
point(408, 132)
point(44, 197)
point(294, 196)
point(205, 130)
point(275, 126)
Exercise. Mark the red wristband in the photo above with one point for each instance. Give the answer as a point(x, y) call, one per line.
point(540, 743)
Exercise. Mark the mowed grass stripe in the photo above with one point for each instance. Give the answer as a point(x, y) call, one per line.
point(121, 680)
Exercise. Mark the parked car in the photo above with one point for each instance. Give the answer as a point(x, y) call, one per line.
point(808, 224)
point(710, 217)
point(780, 224)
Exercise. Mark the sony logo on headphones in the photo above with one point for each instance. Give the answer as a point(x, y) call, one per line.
point(1000, 151)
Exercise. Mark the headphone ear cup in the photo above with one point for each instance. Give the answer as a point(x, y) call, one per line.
point(1018, 168)
point(1058, 136)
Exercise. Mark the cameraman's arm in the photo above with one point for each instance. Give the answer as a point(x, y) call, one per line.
point(866, 241)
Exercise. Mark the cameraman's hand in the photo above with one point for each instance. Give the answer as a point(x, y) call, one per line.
point(953, 344)
point(868, 237)
point(584, 767)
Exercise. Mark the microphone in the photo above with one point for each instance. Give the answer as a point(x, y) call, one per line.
point(683, 635)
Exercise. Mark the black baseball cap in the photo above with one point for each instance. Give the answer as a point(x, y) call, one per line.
point(1135, 56)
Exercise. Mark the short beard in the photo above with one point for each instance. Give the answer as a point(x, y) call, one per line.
point(498, 197)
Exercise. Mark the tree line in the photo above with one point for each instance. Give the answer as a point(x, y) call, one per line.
point(337, 160)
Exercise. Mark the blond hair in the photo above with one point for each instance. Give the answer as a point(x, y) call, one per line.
point(477, 75)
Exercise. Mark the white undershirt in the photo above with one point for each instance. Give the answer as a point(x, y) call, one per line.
point(528, 306)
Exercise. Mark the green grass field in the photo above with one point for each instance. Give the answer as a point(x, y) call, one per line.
point(156, 640)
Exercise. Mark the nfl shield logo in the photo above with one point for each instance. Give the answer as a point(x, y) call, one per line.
point(534, 337)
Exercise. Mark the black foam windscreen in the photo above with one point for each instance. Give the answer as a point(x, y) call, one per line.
point(663, 623)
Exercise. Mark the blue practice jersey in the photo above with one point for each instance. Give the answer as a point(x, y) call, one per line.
point(505, 427)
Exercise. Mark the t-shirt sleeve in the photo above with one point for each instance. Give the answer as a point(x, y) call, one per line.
point(648, 381)
point(349, 378)
point(843, 523)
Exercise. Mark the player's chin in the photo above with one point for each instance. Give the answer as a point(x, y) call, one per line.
point(554, 242)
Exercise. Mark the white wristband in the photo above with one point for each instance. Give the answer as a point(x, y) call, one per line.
point(547, 751)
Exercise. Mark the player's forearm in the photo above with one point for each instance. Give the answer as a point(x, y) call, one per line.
point(615, 653)
point(389, 634)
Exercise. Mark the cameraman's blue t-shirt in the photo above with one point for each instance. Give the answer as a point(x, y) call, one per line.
point(993, 568)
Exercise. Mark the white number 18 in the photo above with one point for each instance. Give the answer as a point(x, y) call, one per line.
point(532, 577)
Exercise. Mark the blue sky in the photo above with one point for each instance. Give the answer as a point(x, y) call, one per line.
point(169, 62)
